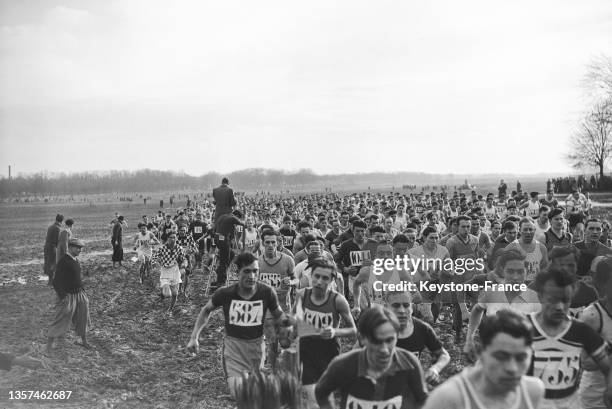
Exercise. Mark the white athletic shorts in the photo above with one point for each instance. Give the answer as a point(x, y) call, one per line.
point(592, 387)
point(170, 276)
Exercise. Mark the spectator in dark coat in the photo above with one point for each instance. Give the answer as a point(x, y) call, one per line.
point(117, 241)
point(64, 237)
point(51, 241)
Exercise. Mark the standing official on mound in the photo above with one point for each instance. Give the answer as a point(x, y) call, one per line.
point(223, 199)
point(224, 234)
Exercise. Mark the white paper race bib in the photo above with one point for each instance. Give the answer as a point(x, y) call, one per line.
point(532, 268)
point(355, 403)
point(197, 229)
point(272, 279)
point(246, 313)
point(557, 369)
point(358, 257)
point(318, 319)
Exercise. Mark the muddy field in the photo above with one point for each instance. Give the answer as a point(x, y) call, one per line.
point(139, 358)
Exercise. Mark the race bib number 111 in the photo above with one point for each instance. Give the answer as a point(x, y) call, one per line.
point(358, 257)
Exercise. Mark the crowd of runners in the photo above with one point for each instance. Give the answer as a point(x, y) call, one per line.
point(294, 275)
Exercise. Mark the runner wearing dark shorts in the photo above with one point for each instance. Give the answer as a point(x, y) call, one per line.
point(321, 308)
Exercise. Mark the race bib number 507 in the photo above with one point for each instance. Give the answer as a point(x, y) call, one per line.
point(246, 313)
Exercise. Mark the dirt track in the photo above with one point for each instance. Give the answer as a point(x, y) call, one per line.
point(139, 358)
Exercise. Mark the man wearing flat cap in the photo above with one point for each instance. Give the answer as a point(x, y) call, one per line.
point(72, 306)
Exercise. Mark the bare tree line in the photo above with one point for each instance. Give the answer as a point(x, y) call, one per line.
point(591, 141)
point(147, 180)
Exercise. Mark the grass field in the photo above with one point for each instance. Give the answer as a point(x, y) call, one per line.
point(138, 359)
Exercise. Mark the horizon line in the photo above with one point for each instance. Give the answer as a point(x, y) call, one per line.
point(180, 172)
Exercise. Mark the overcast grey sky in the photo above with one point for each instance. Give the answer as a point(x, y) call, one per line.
point(336, 86)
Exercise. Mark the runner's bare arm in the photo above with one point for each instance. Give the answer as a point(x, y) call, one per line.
point(278, 314)
point(343, 308)
point(297, 306)
point(475, 318)
point(544, 261)
point(257, 245)
point(602, 360)
point(340, 283)
point(361, 278)
point(293, 280)
point(441, 358)
point(201, 322)
point(154, 239)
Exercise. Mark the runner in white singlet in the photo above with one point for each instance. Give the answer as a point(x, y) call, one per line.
point(537, 256)
point(498, 379)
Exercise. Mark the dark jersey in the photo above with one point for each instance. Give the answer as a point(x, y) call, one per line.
point(226, 224)
point(423, 336)
point(288, 237)
point(332, 238)
point(350, 255)
point(401, 386)
point(244, 319)
point(552, 240)
point(556, 360)
point(588, 253)
point(550, 203)
point(198, 229)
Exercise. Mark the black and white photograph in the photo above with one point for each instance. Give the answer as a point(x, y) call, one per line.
point(300, 205)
